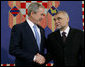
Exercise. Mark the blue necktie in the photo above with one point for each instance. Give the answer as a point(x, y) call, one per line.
point(37, 36)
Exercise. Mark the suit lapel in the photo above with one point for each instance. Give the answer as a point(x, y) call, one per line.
point(30, 32)
point(69, 37)
point(58, 38)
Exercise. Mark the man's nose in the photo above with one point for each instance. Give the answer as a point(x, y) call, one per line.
point(56, 21)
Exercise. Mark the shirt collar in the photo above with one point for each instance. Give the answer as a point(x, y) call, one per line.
point(66, 30)
point(30, 23)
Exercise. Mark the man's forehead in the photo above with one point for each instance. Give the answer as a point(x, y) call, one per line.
point(60, 15)
point(41, 9)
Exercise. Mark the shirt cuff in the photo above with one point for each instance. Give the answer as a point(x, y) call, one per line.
point(34, 58)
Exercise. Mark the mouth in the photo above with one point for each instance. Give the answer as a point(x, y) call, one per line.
point(40, 19)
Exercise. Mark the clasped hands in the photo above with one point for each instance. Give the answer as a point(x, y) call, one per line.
point(39, 59)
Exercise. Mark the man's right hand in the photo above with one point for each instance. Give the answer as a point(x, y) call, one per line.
point(39, 59)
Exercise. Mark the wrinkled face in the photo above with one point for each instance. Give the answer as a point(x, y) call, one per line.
point(61, 20)
point(39, 15)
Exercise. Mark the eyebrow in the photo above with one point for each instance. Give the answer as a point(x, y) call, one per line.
point(57, 18)
point(43, 14)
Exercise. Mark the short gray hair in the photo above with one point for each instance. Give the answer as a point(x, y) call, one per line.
point(64, 12)
point(34, 7)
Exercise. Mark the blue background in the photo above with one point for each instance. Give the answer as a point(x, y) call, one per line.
point(74, 9)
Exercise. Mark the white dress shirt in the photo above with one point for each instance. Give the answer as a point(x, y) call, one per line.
point(66, 31)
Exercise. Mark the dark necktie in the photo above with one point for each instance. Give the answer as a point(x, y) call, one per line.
point(64, 36)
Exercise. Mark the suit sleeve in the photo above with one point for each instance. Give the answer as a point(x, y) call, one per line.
point(15, 48)
point(48, 55)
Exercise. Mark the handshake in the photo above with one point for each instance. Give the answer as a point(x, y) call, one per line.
point(38, 58)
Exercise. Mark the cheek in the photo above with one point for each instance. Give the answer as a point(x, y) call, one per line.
point(34, 16)
point(64, 24)
point(37, 16)
point(63, 21)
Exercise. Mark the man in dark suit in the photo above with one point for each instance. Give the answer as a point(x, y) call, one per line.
point(66, 45)
point(28, 39)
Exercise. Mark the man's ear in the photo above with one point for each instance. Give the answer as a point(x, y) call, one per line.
point(32, 13)
point(68, 19)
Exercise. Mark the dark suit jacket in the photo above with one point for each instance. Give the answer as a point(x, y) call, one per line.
point(23, 44)
point(68, 53)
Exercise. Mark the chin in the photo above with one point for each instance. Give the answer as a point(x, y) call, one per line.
point(58, 27)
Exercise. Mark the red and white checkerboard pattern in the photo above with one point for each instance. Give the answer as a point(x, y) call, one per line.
point(25, 4)
point(14, 64)
point(7, 64)
point(83, 13)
